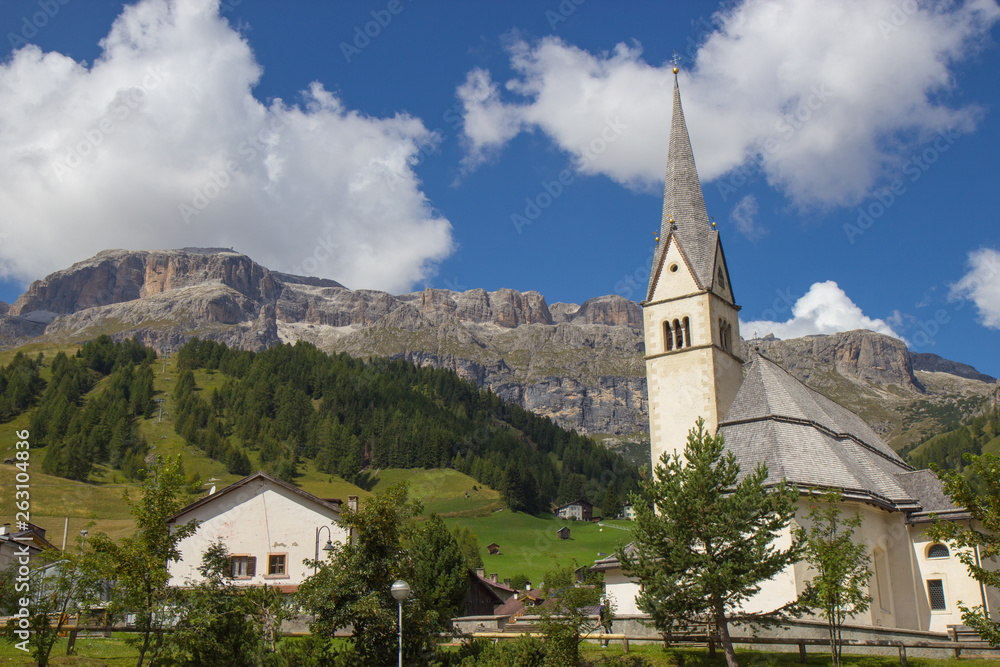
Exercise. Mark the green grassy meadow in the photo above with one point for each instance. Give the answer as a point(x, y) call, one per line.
point(529, 544)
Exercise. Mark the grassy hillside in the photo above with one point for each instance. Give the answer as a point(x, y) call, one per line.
point(529, 545)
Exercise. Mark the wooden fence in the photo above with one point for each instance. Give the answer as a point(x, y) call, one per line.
point(956, 646)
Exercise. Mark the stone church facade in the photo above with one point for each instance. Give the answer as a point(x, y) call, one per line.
point(693, 369)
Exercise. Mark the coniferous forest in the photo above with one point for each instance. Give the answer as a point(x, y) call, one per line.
point(293, 404)
point(947, 450)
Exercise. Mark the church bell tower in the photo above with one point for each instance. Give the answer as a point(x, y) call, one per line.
point(690, 316)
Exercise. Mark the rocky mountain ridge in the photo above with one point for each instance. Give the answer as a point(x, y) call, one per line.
point(582, 364)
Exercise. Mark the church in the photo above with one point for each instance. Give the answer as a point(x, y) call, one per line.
point(694, 369)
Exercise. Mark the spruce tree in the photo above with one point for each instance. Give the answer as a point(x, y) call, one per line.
point(709, 543)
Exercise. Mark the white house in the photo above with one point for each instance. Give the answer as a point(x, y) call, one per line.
point(578, 510)
point(693, 369)
point(269, 527)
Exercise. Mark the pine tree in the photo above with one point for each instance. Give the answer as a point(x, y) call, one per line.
point(708, 545)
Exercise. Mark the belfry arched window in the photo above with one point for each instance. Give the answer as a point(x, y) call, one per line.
point(687, 332)
point(668, 337)
point(725, 335)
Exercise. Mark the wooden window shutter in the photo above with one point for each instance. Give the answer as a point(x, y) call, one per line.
point(251, 566)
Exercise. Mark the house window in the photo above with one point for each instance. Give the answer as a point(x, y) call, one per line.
point(935, 593)
point(276, 564)
point(244, 567)
point(938, 551)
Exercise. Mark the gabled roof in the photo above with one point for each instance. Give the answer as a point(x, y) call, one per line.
point(684, 203)
point(807, 439)
point(333, 503)
point(579, 501)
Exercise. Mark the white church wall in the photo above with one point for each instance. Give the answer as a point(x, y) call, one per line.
point(956, 585)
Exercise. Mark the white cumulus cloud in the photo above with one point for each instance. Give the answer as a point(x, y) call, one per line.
point(981, 285)
point(824, 309)
point(161, 143)
point(824, 98)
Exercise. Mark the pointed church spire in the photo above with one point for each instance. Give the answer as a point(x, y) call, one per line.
point(684, 213)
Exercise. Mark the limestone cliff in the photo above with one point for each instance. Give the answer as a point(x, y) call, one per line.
point(582, 364)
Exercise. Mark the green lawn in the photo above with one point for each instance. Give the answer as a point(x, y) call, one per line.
point(529, 545)
point(115, 652)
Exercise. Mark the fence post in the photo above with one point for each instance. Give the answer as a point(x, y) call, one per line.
point(802, 652)
point(902, 655)
point(625, 644)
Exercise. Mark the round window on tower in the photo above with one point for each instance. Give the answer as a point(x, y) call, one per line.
point(673, 268)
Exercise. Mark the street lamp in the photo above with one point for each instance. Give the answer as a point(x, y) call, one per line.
point(327, 547)
point(400, 590)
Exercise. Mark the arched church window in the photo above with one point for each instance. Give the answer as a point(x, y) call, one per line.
point(678, 335)
point(882, 585)
point(938, 550)
point(668, 337)
point(687, 331)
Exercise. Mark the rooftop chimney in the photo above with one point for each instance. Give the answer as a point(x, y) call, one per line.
point(495, 578)
point(352, 503)
point(481, 572)
point(506, 582)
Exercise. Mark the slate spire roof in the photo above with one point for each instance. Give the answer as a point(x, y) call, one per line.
point(684, 203)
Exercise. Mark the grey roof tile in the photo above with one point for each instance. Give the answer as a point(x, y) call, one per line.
point(809, 440)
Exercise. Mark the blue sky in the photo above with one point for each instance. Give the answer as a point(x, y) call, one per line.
point(848, 151)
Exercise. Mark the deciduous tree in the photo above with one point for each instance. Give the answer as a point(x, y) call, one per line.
point(352, 588)
point(839, 588)
point(980, 539)
point(138, 564)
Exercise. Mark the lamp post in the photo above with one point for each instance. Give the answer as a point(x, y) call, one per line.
point(327, 547)
point(400, 590)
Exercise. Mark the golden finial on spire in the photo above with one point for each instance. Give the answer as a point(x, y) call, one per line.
point(713, 222)
point(675, 60)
